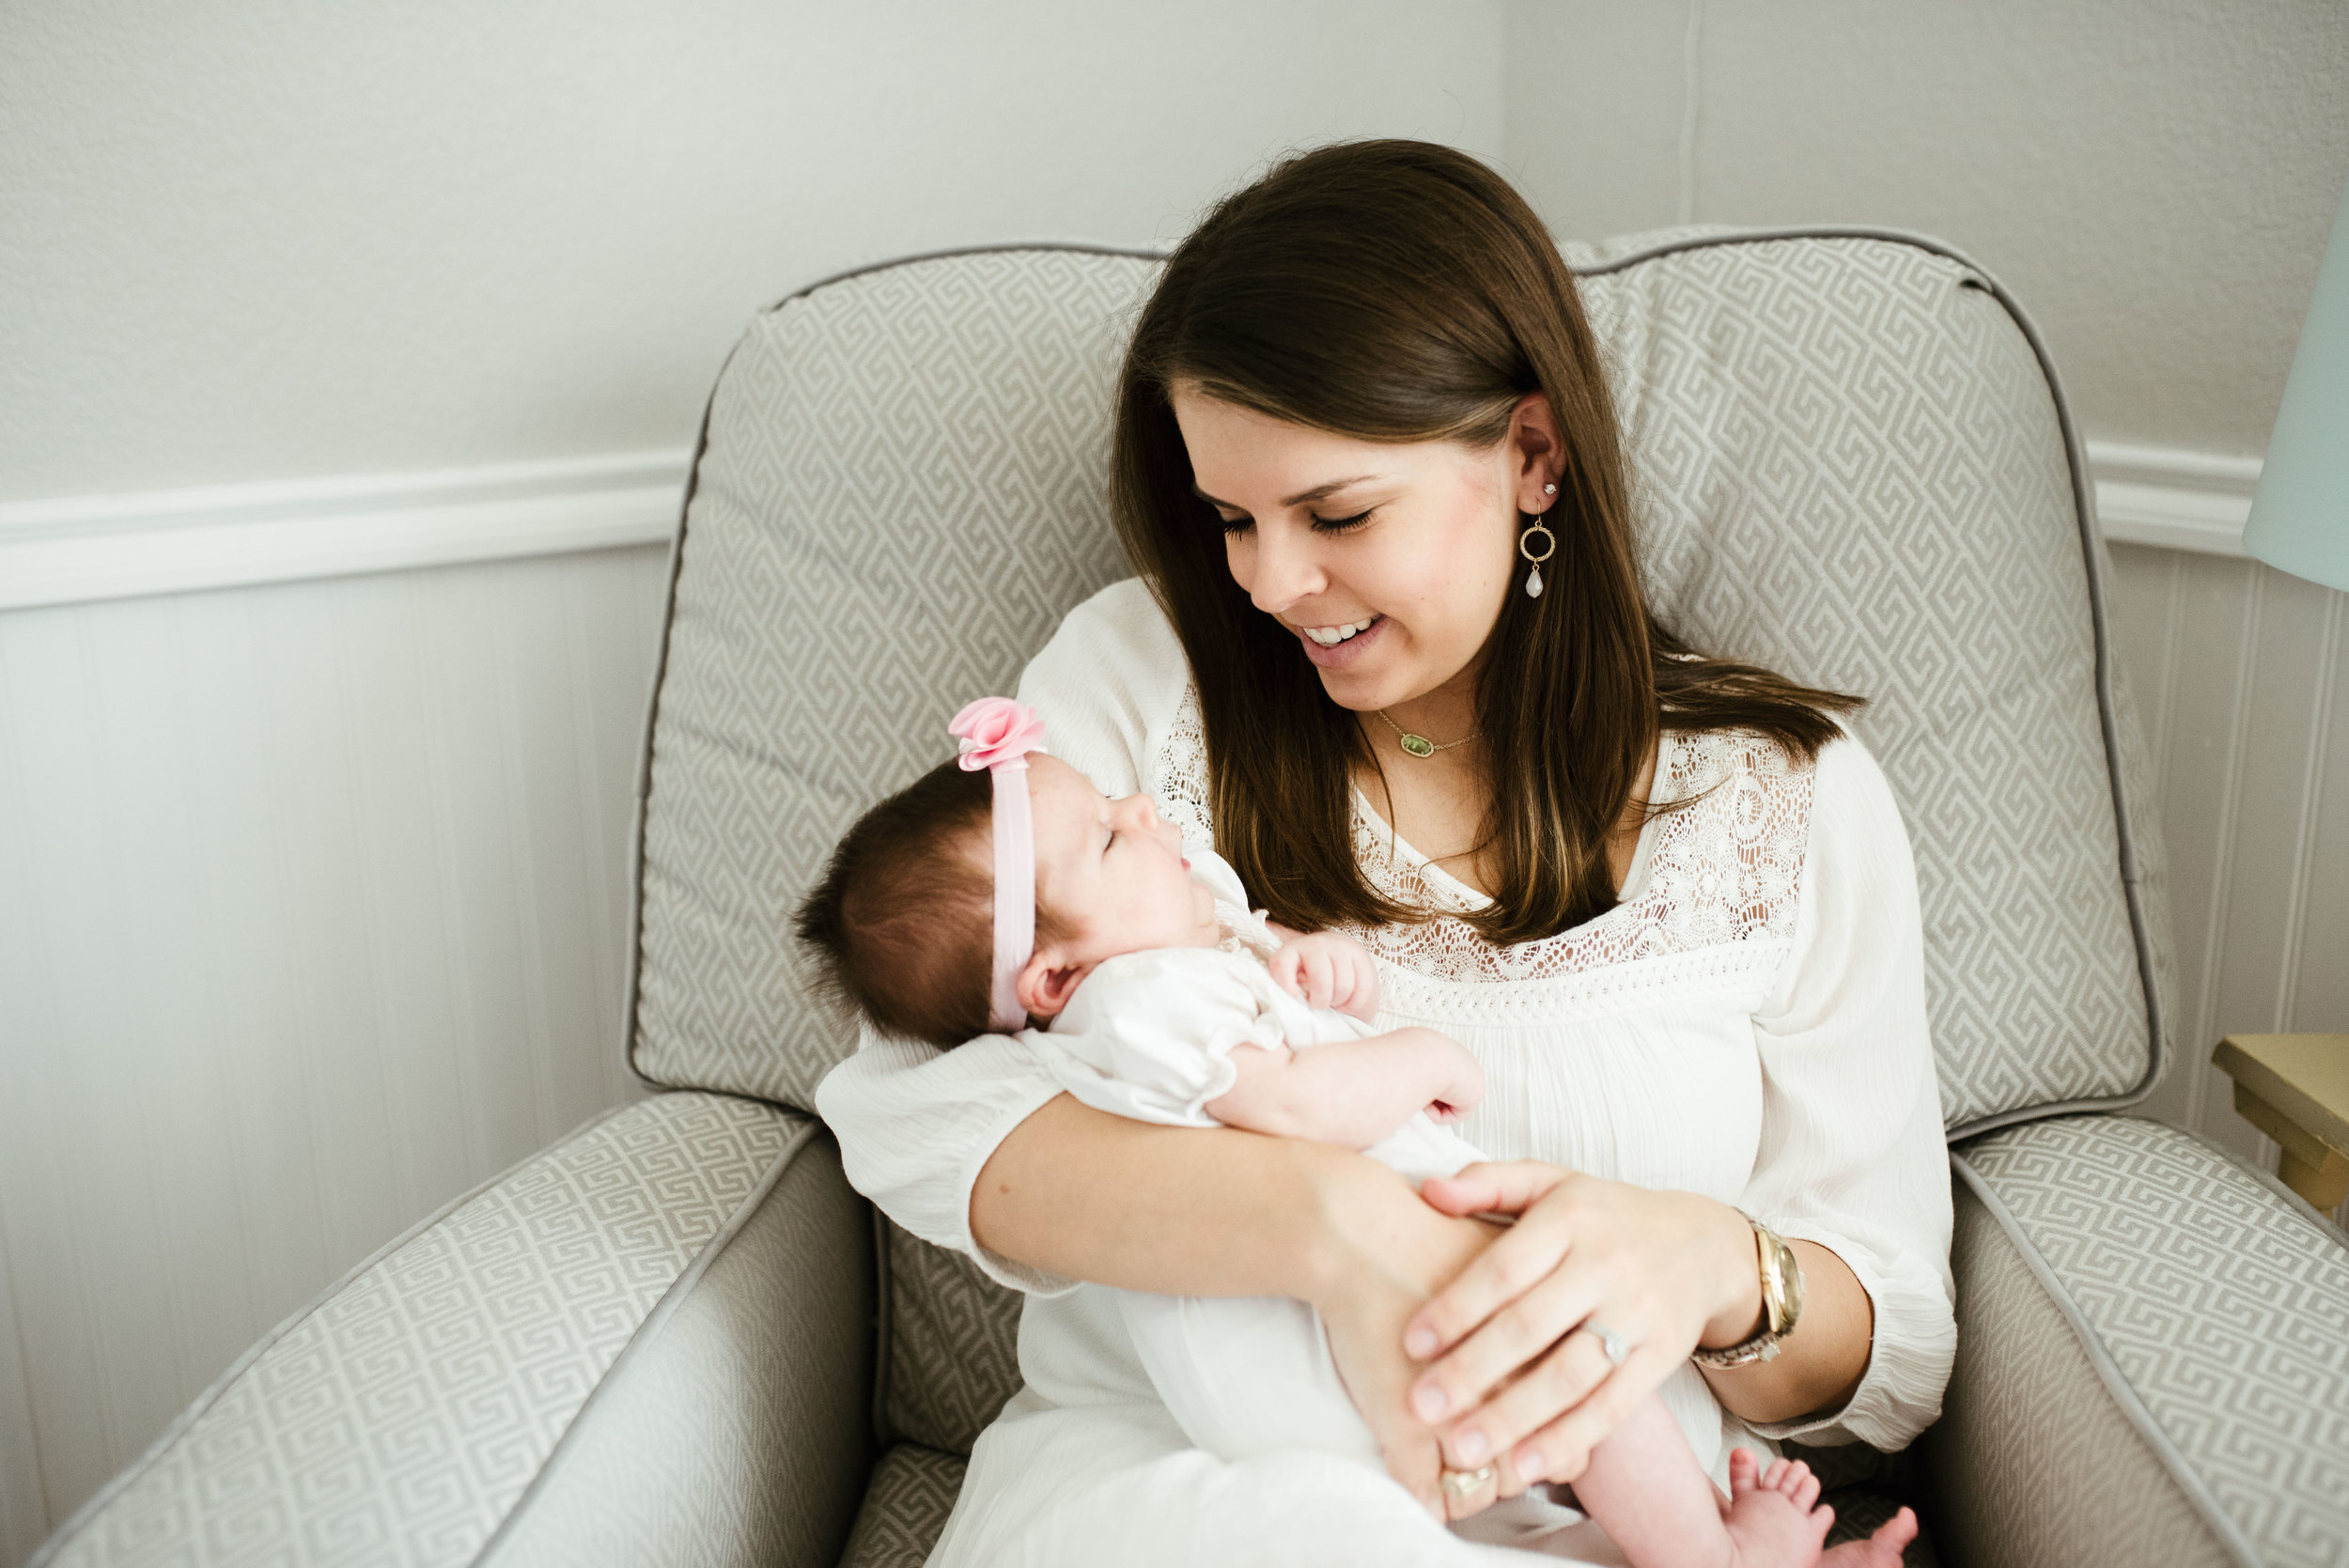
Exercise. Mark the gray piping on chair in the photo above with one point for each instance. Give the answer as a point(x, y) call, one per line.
point(2125, 1396)
point(237, 1367)
point(2084, 504)
point(631, 981)
point(664, 1309)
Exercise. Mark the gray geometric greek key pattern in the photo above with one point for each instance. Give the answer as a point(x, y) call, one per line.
point(954, 1338)
point(1850, 467)
point(398, 1420)
point(2222, 1306)
point(905, 1509)
point(903, 489)
point(1859, 1509)
point(2035, 1463)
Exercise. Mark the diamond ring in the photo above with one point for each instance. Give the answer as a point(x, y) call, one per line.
point(1613, 1345)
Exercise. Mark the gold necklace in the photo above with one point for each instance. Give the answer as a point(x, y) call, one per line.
point(1418, 745)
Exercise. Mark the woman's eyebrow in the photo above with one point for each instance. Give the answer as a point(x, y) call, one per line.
point(1301, 498)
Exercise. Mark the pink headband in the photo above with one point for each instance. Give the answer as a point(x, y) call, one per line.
point(997, 734)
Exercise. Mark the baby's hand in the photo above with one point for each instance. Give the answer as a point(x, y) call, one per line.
point(1329, 971)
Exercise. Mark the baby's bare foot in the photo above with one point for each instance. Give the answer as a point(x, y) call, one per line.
point(1772, 1520)
point(1880, 1550)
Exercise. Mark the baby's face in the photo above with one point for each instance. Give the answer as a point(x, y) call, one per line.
point(1111, 871)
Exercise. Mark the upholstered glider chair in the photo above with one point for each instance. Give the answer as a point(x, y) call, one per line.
point(678, 1336)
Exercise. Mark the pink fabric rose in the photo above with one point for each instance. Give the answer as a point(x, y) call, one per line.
point(997, 731)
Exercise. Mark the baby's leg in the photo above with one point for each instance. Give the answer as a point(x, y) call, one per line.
point(1245, 1376)
point(1643, 1488)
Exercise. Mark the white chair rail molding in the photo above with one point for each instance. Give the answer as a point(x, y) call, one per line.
point(79, 548)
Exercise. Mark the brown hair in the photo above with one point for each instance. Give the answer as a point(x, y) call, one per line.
point(1401, 292)
point(902, 925)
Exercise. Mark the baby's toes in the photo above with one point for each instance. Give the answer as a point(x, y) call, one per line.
point(1807, 1491)
point(1774, 1478)
point(1742, 1473)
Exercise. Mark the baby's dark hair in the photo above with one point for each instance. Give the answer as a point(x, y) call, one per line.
point(902, 927)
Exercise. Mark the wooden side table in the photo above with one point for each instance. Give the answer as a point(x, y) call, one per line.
point(2296, 1089)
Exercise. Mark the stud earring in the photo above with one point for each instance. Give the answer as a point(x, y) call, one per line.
point(1525, 548)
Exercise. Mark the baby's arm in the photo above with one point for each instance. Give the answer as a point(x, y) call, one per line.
point(1327, 970)
point(1350, 1093)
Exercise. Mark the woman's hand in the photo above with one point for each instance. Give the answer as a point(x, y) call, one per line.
point(1666, 1271)
point(1391, 1264)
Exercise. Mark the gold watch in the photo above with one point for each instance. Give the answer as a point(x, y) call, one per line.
point(1782, 1301)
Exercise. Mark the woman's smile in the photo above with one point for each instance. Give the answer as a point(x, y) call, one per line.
point(1335, 647)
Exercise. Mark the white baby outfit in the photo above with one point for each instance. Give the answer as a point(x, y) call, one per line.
point(1748, 1023)
point(1150, 1035)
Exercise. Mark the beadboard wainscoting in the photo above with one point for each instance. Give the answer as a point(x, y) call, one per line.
point(313, 917)
point(2241, 677)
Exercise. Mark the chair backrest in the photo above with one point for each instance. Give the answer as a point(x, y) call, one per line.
point(1853, 465)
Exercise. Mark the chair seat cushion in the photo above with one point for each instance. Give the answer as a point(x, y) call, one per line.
point(2153, 1355)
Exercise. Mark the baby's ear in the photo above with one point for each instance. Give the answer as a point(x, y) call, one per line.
point(1047, 982)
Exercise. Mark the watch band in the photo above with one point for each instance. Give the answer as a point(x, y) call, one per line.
point(1782, 1301)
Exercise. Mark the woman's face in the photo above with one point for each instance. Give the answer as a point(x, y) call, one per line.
point(1389, 563)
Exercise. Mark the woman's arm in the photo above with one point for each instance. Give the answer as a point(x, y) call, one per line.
point(1852, 1161)
point(1850, 1168)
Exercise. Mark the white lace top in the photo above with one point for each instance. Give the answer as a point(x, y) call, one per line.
point(1748, 1022)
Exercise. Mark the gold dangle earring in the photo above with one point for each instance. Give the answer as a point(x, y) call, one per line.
point(1549, 547)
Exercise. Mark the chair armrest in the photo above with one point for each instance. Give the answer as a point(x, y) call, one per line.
point(2153, 1356)
point(651, 1340)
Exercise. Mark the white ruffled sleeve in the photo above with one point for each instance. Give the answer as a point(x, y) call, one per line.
point(1852, 1154)
point(1150, 1035)
point(916, 1125)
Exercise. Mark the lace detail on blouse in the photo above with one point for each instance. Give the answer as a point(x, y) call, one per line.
point(1179, 774)
point(1721, 869)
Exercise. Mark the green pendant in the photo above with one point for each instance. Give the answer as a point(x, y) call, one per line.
point(1418, 745)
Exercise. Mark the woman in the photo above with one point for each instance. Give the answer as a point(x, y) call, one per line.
point(1388, 654)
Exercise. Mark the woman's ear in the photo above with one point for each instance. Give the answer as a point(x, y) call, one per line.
point(1047, 982)
point(1537, 454)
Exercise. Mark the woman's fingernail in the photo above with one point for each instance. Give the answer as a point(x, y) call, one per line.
point(1429, 1401)
point(1530, 1466)
point(1471, 1446)
point(1419, 1342)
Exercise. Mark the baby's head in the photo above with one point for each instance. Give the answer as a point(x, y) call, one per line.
point(902, 924)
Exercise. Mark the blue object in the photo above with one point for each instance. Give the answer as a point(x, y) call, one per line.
point(2299, 520)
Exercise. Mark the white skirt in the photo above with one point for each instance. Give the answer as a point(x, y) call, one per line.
point(1088, 1465)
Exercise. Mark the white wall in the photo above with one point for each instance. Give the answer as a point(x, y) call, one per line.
point(2154, 177)
point(259, 238)
point(310, 894)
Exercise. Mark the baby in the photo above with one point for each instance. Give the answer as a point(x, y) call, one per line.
point(967, 904)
